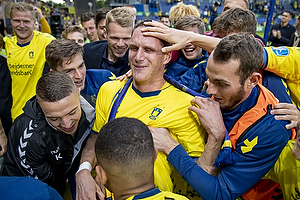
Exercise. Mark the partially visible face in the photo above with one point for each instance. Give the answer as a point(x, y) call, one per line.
point(36, 26)
point(76, 69)
point(190, 51)
point(286, 17)
point(146, 59)
point(23, 25)
point(297, 24)
point(165, 21)
point(118, 39)
point(64, 114)
point(296, 148)
point(76, 37)
point(90, 28)
point(101, 31)
point(228, 4)
point(224, 84)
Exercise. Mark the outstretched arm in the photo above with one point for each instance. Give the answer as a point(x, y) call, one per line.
point(179, 38)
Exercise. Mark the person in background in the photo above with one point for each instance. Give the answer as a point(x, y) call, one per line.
point(281, 33)
point(41, 24)
point(165, 20)
point(100, 22)
point(112, 54)
point(180, 10)
point(25, 55)
point(295, 38)
point(88, 23)
point(75, 33)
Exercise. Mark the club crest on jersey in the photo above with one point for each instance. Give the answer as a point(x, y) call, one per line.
point(155, 113)
point(31, 54)
point(281, 51)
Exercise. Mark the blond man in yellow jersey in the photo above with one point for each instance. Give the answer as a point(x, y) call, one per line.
point(154, 101)
point(25, 55)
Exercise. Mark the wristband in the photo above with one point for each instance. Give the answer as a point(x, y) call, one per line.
point(85, 165)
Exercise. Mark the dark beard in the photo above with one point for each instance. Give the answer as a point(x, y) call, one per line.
point(235, 100)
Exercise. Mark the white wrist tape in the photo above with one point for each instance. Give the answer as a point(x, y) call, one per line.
point(85, 165)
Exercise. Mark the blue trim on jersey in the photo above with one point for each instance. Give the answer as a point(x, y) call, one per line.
point(146, 194)
point(94, 132)
point(265, 59)
point(23, 45)
point(145, 94)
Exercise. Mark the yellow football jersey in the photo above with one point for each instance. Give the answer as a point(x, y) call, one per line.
point(285, 62)
point(286, 172)
point(165, 108)
point(26, 65)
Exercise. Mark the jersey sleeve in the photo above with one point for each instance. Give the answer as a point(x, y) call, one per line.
point(283, 62)
point(104, 103)
point(255, 155)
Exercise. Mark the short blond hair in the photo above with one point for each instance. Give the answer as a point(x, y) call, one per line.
point(23, 7)
point(121, 16)
point(180, 10)
point(73, 29)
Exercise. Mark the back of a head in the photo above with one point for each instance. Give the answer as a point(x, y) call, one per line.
point(180, 10)
point(235, 20)
point(229, 4)
point(87, 16)
point(125, 146)
point(54, 86)
point(22, 7)
point(73, 29)
point(121, 16)
point(61, 50)
point(190, 21)
point(101, 14)
point(242, 47)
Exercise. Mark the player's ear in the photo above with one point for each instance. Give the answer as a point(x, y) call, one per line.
point(101, 174)
point(168, 57)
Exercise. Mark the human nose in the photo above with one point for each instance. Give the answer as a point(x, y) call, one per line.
point(120, 43)
point(211, 88)
point(66, 122)
point(139, 55)
point(77, 74)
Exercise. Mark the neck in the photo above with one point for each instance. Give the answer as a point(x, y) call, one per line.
point(149, 87)
point(110, 56)
point(122, 193)
point(24, 41)
point(283, 24)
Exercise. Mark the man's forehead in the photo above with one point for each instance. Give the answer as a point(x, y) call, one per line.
point(137, 36)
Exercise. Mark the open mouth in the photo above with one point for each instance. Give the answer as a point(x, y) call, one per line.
point(69, 129)
point(78, 83)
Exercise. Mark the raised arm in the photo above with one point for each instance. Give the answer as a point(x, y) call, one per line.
point(179, 38)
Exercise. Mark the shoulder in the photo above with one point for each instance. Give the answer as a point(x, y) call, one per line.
point(43, 36)
point(95, 45)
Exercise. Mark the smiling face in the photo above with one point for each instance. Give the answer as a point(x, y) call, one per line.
point(23, 25)
point(101, 31)
point(118, 39)
point(146, 59)
point(224, 84)
point(63, 114)
point(76, 69)
point(91, 30)
point(190, 51)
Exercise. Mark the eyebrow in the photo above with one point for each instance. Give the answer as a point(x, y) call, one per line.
point(67, 113)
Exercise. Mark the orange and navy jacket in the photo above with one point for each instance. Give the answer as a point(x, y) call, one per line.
point(257, 139)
